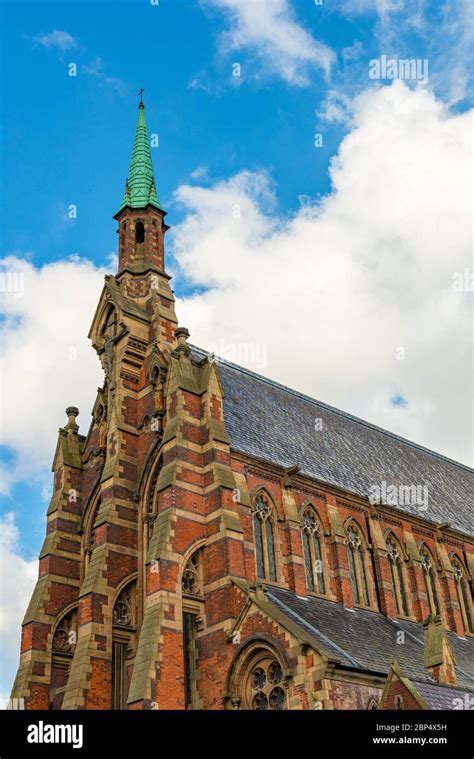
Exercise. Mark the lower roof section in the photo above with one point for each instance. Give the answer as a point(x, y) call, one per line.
point(364, 640)
point(443, 697)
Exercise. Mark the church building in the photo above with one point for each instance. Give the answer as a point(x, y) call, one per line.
point(214, 541)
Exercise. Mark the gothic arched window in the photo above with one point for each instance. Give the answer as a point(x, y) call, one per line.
point(110, 327)
point(191, 583)
point(123, 232)
point(63, 645)
point(396, 574)
point(193, 613)
point(264, 538)
point(313, 558)
point(357, 567)
point(139, 232)
point(430, 581)
point(124, 620)
point(463, 593)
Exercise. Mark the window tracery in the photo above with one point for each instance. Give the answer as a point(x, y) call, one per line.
point(191, 579)
point(430, 581)
point(123, 609)
point(62, 649)
point(396, 573)
point(463, 593)
point(264, 538)
point(123, 620)
point(357, 567)
point(314, 564)
point(192, 587)
point(264, 687)
point(65, 634)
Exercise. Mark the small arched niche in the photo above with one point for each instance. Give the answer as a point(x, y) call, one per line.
point(139, 233)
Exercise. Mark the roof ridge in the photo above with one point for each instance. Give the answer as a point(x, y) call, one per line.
point(440, 685)
point(321, 404)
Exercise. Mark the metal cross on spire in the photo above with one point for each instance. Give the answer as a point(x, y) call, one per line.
point(140, 92)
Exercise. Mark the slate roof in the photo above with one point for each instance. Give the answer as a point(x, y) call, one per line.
point(274, 423)
point(444, 696)
point(367, 640)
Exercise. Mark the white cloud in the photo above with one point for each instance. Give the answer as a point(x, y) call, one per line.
point(385, 9)
point(442, 33)
point(201, 173)
point(336, 108)
point(47, 361)
point(335, 291)
point(62, 41)
point(269, 30)
point(96, 69)
point(14, 598)
point(56, 39)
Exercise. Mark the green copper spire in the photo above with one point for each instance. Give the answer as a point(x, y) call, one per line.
point(140, 189)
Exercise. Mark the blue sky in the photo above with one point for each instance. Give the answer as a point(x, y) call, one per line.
point(67, 140)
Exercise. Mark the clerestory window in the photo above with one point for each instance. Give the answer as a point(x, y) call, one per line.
point(263, 528)
point(312, 547)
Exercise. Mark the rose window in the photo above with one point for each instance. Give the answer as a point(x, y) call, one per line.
point(264, 686)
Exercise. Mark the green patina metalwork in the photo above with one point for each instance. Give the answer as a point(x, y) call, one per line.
point(140, 190)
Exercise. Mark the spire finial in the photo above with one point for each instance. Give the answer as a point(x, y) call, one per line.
point(140, 92)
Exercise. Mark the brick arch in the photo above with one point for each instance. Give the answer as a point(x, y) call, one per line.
point(193, 547)
point(74, 605)
point(123, 584)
